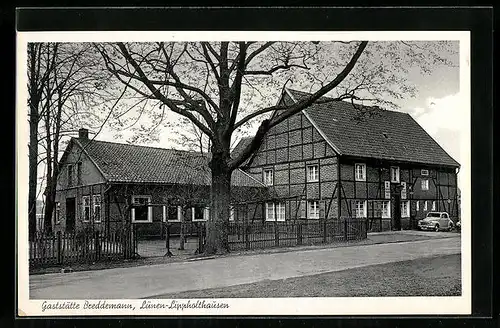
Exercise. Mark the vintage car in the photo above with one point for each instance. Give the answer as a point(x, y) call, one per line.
point(436, 221)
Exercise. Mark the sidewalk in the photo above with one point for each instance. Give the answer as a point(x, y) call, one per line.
point(148, 281)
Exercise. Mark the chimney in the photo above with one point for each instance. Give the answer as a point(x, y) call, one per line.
point(83, 133)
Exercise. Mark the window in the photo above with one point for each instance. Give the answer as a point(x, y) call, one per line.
point(141, 212)
point(395, 174)
point(70, 175)
point(79, 173)
point(312, 173)
point(199, 213)
point(269, 211)
point(86, 208)
point(418, 206)
point(425, 205)
point(231, 213)
point(58, 213)
point(268, 177)
point(96, 202)
point(360, 208)
point(280, 212)
point(425, 184)
point(171, 213)
point(386, 209)
point(360, 170)
point(433, 205)
point(405, 209)
point(424, 172)
point(313, 210)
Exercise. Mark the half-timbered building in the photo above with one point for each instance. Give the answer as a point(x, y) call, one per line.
point(337, 159)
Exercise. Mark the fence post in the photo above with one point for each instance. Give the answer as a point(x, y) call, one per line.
point(276, 234)
point(324, 230)
point(247, 240)
point(167, 240)
point(59, 250)
point(345, 229)
point(299, 233)
point(97, 246)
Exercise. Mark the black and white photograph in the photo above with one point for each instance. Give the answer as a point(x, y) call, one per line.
point(222, 173)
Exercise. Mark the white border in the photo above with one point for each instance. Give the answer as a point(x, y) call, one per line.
point(264, 306)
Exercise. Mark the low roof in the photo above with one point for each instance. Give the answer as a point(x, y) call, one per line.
point(142, 164)
point(371, 132)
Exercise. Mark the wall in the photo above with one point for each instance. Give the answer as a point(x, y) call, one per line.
point(288, 149)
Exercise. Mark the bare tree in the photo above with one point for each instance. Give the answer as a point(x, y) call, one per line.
point(72, 79)
point(215, 86)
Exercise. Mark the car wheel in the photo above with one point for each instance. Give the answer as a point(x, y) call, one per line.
point(451, 227)
point(436, 227)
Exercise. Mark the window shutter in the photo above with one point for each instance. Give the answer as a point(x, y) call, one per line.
point(179, 213)
point(164, 218)
point(206, 214)
point(303, 209)
point(387, 190)
point(403, 190)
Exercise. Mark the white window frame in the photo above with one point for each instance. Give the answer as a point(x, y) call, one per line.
point(270, 209)
point(96, 202)
point(386, 209)
point(356, 208)
point(425, 205)
point(150, 209)
point(280, 209)
point(268, 173)
point(433, 205)
point(165, 214)
point(314, 169)
point(424, 184)
point(396, 168)
point(363, 171)
point(418, 205)
point(424, 172)
point(57, 212)
point(405, 209)
point(231, 213)
point(205, 216)
point(84, 206)
point(313, 210)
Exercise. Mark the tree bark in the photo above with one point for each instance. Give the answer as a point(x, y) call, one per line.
point(217, 225)
point(33, 169)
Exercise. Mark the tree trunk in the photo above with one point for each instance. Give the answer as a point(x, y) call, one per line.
point(33, 170)
point(181, 233)
point(217, 225)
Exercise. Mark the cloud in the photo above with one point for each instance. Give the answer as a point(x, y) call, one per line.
point(441, 113)
point(446, 120)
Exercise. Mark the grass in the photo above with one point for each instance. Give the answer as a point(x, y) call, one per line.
point(436, 276)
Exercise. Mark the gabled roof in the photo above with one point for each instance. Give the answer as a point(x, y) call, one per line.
point(381, 134)
point(141, 164)
point(239, 148)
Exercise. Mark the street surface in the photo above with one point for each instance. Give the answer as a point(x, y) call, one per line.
point(148, 281)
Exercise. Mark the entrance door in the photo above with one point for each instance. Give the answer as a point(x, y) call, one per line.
point(70, 214)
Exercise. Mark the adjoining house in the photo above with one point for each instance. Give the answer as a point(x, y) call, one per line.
point(335, 160)
point(99, 180)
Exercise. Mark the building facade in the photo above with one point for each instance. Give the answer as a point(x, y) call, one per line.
point(333, 160)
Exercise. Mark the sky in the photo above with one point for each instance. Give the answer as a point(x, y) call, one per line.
point(434, 107)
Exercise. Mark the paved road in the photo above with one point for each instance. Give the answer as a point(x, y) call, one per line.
point(148, 281)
